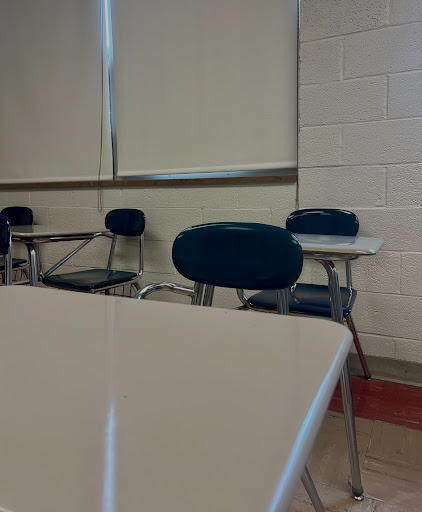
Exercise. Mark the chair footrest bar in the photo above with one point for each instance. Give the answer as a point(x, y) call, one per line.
point(164, 286)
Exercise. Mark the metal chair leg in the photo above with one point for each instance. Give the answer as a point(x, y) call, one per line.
point(208, 295)
point(349, 420)
point(351, 326)
point(33, 262)
point(346, 387)
point(134, 286)
point(310, 488)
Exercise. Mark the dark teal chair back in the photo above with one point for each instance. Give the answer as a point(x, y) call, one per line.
point(4, 235)
point(125, 222)
point(323, 221)
point(19, 215)
point(238, 255)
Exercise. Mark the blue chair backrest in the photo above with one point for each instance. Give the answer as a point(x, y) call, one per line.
point(19, 215)
point(4, 235)
point(239, 255)
point(125, 222)
point(323, 221)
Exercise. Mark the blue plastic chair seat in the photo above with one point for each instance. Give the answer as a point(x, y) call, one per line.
point(87, 280)
point(311, 299)
point(16, 263)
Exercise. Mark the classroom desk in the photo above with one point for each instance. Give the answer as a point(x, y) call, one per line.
point(327, 249)
point(33, 236)
point(108, 408)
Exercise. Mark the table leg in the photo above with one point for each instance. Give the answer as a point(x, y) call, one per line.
point(283, 301)
point(8, 266)
point(39, 261)
point(33, 264)
point(310, 488)
point(349, 418)
point(346, 389)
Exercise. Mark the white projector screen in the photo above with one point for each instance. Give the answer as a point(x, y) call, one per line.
point(205, 85)
point(50, 90)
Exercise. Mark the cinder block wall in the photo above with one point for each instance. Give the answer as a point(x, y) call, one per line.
point(360, 108)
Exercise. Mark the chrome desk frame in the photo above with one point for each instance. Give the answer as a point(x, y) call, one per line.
point(33, 240)
point(6, 274)
point(327, 261)
point(346, 389)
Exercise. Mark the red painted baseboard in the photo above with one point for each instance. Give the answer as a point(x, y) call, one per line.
point(398, 404)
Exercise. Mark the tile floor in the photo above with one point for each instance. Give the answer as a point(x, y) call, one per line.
point(391, 460)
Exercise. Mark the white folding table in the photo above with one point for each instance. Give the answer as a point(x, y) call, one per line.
point(111, 405)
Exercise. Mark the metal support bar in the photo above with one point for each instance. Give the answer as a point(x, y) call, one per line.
point(245, 301)
point(198, 292)
point(67, 257)
point(292, 293)
point(361, 355)
point(141, 254)
point(242, 297)
point(33, 265)
point(136, 286)
point(8, 263)
point(170, 287)
point(39, 260)
point(112, 249)
point(14, 273)
point(20, 283)
point(310, 488)
point(349, 283)
point(349, 419)
point(111, 91)
point(283, 301)
point(346, 389)
point(334, 291)
point(208, 295)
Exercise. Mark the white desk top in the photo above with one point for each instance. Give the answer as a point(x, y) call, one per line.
point(115, 405)
point(340, 245)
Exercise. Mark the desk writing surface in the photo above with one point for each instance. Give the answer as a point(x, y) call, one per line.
point(347, 245)
point(112, 404)
point(40, 230)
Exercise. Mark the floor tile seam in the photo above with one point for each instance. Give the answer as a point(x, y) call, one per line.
point(370, 438)
point(399, 463)
point(395, 477)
